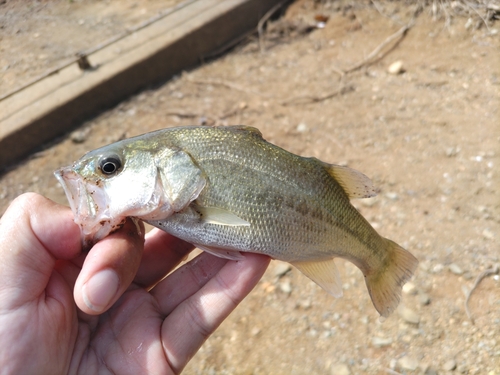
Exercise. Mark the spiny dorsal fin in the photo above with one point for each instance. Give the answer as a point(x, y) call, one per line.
point(354, 183)
point(219, 216)
point(246, 128)
point(324, 273)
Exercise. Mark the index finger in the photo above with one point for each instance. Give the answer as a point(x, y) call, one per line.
point(162, 253)
point(188, 326)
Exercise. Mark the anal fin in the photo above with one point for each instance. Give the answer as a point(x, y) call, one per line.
point(221, 253)
point(324, 273)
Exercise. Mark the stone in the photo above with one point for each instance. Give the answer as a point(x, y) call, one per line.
point(392, 196)
point(424, 299)
point(80, 136)
point(306, 304)
point(281, 269)
point(450, 365)
point(408, 315)
point(340, 369)
point(408, 363)
point(301, 128)
point(255, 331)
point(286, 287)
point(380, 342)
point(409, 288)
point(488, 233)
point(396, 67)
point(455, 268)
point(437, 268)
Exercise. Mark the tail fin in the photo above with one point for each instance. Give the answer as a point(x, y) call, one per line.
point(385, 285)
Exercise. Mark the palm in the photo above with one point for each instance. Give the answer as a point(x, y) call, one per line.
point(124, 340)
point(45, 329)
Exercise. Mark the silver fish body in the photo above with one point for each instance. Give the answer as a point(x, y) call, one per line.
point(227, 190)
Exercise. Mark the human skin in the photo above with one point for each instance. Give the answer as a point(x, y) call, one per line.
point(109, 310)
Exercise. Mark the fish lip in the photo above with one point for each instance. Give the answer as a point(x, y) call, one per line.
point(71, 184)
point(86, 205)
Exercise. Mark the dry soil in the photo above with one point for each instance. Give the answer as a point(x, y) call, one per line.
point(428, 135)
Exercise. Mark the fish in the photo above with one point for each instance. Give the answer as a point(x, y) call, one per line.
point(227, 190)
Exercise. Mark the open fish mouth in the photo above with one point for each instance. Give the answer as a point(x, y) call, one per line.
point(89, 205)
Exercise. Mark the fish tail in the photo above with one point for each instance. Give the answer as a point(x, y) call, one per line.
point(386, 283)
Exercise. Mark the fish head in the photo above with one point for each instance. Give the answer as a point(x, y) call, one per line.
point(125, 179)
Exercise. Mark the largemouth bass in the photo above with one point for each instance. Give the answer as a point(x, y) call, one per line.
point(227, 190)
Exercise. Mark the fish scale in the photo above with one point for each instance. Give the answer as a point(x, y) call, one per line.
point(227, 190)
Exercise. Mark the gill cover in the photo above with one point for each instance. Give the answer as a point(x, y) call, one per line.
point(107, 185)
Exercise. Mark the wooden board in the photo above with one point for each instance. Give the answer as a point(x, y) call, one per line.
point(59, 102)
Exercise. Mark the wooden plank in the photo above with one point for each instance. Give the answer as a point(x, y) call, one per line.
point(58, 103)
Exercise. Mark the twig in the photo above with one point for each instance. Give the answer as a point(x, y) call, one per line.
point(232, 112)
point(372, 57)
point(307, 99)
point(262, 22)
point(183, 115)
point(226, 84)
point(381, 11)
point(447, 17)
point(479, 15)
point(490, 271)
point(339, 71)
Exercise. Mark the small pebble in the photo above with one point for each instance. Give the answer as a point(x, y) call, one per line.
point(340, 369)
point(80, 136)
point(255, 331)
point(487, 233)
point(437, 268)
point(369, 202)
point(455, 268)
point(392, 196)
point(301, 128)
point(408, 363)
point(408, 315)
point(281, 269)
point(450, 365)
point(424, 299)
point(380, 342)
point(286, 287)
point(306, 304)
point(452, 151)
point(409, 288)
point(396, 67)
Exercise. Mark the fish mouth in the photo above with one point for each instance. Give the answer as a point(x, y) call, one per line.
point(89, 205)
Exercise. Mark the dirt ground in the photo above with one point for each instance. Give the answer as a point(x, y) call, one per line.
point(428, 135)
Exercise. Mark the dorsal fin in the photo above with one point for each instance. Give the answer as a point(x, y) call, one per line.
point(354, 183)
point(246, 128)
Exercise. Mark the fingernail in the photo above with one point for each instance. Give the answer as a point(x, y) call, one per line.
point(100, 290)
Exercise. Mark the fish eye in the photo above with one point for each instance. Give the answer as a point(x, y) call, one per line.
point(110, 164)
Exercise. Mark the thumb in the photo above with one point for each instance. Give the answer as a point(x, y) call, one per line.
point(34, 233)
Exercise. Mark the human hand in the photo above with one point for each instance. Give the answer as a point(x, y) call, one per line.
point(118, 324)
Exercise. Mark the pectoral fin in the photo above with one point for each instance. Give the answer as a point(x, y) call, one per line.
point(324, 273)
point(219, 216)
